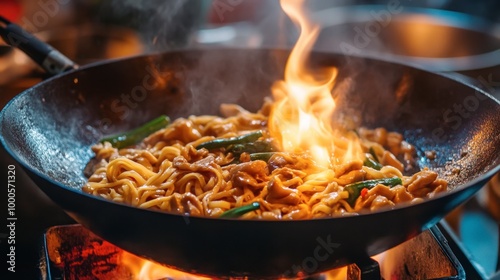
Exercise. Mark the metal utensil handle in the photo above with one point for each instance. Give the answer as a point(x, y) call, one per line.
point(43, 54)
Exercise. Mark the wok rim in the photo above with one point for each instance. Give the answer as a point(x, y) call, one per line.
point(78, 191)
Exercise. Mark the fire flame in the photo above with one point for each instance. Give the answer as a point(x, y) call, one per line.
point(301, 117)
point(301, 120)
point(142, 269)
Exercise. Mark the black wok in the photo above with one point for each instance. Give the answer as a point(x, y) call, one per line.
point(49, 129)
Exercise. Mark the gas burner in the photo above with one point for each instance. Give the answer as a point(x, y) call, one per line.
point(73, 252)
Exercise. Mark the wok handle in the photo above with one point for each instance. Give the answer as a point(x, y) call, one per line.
point(43, 54)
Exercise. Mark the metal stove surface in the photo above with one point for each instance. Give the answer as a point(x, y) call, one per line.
point(73, 252)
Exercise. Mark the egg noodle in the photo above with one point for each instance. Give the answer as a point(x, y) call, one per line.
point(168, 171)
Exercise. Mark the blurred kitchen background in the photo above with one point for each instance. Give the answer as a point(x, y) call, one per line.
point(439, 35)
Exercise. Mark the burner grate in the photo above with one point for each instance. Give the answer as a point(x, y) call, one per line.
point(72, 252)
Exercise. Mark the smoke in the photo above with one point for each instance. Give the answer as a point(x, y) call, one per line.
point(161, 24)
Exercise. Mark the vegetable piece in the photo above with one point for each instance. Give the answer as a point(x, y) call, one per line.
point(258, 150)
point(251, 148)
point(255, 156)
point(240, 211)
point(374, 155)
point(261, 156)
point(226, 142)
point(364, 191)
point(372, 163)
point(354, 189)
point(134, 136)
point(371, 160)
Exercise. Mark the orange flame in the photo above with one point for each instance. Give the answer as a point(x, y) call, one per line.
point(146, 270)
point(301, 117)
point(141, 269)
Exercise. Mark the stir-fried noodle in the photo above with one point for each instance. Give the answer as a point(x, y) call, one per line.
point(171, 170)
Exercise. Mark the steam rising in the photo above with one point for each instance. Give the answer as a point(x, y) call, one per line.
point(162, 24)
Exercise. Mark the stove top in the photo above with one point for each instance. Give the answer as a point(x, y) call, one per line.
point(73, 252)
